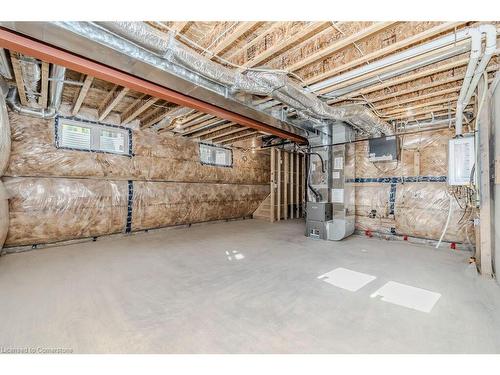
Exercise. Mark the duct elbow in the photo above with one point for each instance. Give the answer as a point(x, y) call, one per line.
point(491, 38)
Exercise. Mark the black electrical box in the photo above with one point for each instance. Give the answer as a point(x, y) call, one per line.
point(383, 149)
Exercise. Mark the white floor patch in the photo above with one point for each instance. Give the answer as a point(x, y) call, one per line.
point(347, 279)
point(408, 296)
point(234, 254)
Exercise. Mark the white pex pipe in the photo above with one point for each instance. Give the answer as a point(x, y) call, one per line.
point(475, 70)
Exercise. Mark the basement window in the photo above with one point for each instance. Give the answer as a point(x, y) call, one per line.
point(216, 155)
point(91, 136)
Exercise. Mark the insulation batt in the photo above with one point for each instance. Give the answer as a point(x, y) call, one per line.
point(59, 194)
point(420, 208)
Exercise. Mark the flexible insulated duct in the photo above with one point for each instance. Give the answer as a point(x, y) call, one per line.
point(275, 85)
point(55, 97)
point(4, 161)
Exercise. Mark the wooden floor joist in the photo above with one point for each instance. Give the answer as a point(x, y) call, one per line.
point(112, 99)
point(43, 100)
point(213, 129)
point(16, 67)
point(239, 31)
point(411, 41)
point(87, 83)
point(277, 48)
point(339, 45)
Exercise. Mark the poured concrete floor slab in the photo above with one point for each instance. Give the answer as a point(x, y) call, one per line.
point(177, 291)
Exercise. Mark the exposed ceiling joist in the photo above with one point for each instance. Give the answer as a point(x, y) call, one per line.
point(179, 27)
point(137, 108)
point(238, 32)
point(427, 34)
point(45, 52)
point(272, 27)
point(82, 94)
point(203, 125)
point(250, 134)
point(451, 100)
point(213, 129)
point(111, 101)
point(279, 47)
point(156, 118)
point(196, 121)
point(404, 79)
point(340, 44)
point(419, 97)
point(222, 134)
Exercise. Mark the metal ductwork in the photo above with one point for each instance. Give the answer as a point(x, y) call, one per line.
point(276, 85)
point(55, 95)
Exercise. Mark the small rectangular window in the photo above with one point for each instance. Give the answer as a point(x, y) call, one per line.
point(216, 155)
point(91, 136)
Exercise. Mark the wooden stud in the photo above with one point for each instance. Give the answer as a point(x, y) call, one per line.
point(285, 183)
point(16, 66)
point(297, 186)
point(280, 159)
point(43, 100)
point(111, 101)
point(279, 47)
point(273, 184)
point(82, 94)
point(484, 174)
point(339, 45)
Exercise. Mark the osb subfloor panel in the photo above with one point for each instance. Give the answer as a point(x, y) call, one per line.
point(176, 291)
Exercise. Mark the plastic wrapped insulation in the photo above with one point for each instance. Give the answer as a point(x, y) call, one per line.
point(5, 144)
point(274, 84)
point(31, 73)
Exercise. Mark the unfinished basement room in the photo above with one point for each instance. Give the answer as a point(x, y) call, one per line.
point(225, 187)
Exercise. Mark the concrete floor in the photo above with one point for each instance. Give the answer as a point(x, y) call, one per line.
point(175, 291)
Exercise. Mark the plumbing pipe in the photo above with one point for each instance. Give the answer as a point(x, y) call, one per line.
point(475, 70)
point(447, 223)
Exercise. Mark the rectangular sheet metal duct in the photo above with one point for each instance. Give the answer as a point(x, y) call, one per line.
point(45, 52)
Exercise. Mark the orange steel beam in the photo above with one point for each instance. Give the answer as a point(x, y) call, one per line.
point(45, 52)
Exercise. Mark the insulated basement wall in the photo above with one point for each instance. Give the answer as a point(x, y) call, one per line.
point(409, 197)
point(59, 194)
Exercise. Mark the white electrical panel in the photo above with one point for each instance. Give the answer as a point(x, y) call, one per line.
point(461, 158)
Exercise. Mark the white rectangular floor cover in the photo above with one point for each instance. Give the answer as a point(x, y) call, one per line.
point(408, 296)
point(347, 279)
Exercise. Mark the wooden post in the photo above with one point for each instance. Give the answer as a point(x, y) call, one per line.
point(303, 182)
point(297, 186)
point(485, 201)
point(273, 184)
point(285, 184)
point(279, 184)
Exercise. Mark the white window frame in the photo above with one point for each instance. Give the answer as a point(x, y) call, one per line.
point(96, 130)
point(213, 155)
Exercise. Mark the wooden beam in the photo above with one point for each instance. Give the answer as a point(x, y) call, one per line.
point(111, 101)
point(45, 52)
point(156, 119)
point(238, 32)
point(16, 66)
point(43, 100)
point(180, 26)
point(415, 39)
point(279, 47)
point(138, 107)
point(340, 44)
point(82, 94)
